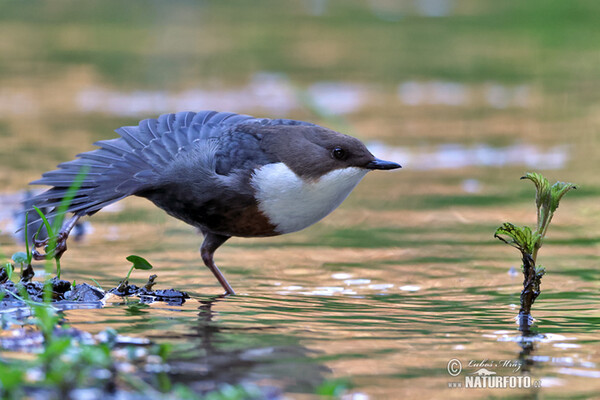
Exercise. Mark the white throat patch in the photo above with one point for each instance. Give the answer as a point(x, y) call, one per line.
point(291, 203)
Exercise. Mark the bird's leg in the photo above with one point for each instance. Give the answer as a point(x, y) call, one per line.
point(211, 243)
point(61, 241)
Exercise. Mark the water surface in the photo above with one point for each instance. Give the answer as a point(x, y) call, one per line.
point(405, 276)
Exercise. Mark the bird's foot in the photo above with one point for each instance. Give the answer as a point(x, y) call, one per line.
point(60, 246)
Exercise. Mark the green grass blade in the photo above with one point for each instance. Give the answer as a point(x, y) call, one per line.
point(27, 249)
point(69, 196)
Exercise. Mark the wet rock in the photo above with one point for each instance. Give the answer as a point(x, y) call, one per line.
point(85, 292)
point(170, 296)
point(61, 290)
point(9, 289)
point(29, 340)
point(125, 289)
point(60, 287)
point(35, 290)
point(27, 273)
point(146, 295)
point(3, 275)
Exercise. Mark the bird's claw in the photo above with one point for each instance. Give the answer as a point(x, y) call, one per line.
point(39, 243)
point(58, 250)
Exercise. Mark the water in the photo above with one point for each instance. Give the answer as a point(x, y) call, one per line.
point(376, 300)
point(405, 278)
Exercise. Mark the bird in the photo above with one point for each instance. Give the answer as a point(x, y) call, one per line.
point(224, 173)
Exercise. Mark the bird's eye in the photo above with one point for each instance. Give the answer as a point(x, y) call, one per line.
point(338, 153)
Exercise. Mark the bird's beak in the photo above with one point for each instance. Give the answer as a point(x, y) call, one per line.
point(382, 164)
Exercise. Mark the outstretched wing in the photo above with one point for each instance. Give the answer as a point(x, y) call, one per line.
point(136, 161)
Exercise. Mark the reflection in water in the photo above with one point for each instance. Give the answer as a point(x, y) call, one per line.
point(531, 363)
point(429, 288)
point(232, 355)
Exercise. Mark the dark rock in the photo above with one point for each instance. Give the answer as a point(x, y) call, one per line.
point(35, 290)
point(59, 286)
point(27, 273)
point(170, 296)
point(124, 289)
point(3, 275)
point(85, 292)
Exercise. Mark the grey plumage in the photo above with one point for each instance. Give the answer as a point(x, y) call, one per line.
point(141, 158)
point(225, 173)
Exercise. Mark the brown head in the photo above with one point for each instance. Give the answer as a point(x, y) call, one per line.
point(313, 151)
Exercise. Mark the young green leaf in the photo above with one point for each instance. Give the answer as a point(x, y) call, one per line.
point(19, 257)
point(522, 237)
point(540, 271)
point(11, 379)
point(8, 268)
point(51, 243)
point(27, 238)
point(557, 191)
point(139, 262)
point(542, 187)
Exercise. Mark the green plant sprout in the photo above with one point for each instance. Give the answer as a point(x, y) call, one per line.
point(52, 238)
point(529, 242)
point(20, 258)
point(28, 252)
point(138, 263)
point(54, 228)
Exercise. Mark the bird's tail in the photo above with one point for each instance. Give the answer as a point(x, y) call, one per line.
point(126, 165)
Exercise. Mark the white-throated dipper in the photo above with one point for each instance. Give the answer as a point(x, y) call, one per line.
point(224, 173)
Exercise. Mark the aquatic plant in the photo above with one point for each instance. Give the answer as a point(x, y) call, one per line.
point(529, 241)
point(137, 263)
point(54, 230)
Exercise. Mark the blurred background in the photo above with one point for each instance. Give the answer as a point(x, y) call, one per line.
point(447, 83)
point(466, 94)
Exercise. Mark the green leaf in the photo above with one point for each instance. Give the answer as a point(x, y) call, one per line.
point(139, 262)
point(8, 268)
point(49, 230)
point(57, 347)
point(11, 378)
point(46, 318)
point(542, 186)
point(540, 271)
point(557, 191)
point(522, 238)
point(164, 349)
point(51, 243)
point(29, 254)
point(97, 356)
point(333, 388)
point(66, 201)
point(19, 257)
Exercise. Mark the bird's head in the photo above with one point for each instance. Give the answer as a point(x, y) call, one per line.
point(313, 151)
